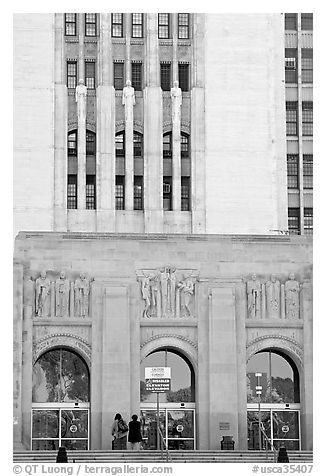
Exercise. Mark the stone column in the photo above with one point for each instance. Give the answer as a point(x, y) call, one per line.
point(198, 175)
point(307, 384)
point(129, 145)
point(105, 126)
point(135, 351)
point(17, 356)
point(223, 372)
point(81, 160)
point(60, 126)
point(176, 146)
point(153, 132)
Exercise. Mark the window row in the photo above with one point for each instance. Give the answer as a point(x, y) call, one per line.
point(292, 118)
point(294, 221)
point(118, 27)
point(90, 192)
point(291, 21)
point(119, 75)
point(291, 65)
point(293, 171)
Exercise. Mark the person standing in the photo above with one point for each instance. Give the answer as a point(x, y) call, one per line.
point(134, 436)
point(119, 432)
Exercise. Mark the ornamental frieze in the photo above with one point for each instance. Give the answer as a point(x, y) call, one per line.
point(168, 292)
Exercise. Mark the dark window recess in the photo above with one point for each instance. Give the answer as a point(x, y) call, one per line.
point(117, 25)
point(184, 76)
point(72, 143)
point(118, 71)
point(166, 76)
point(70, 24)
point(72, 192)
point(138, 145)
point(164, 25)
point(307, 171)
point(291, 65)
point(185, 147)
point(185, 194)
point(90, 24)
point(136, 76)
point(307, 118)
point(306, 65)
point(90, 192)
point(183, 25)
point(291, 118)
point(291, 21)
point(137, 25)
point(71, 74)
point(308, 221)
point(119, 192)
point(138, 192)
point(294, 221)
point(293, 170)
point(306, 21)
point(167, 193)
point(90, 74)
point(90, 143)
point(167, 145)
point(120, 145)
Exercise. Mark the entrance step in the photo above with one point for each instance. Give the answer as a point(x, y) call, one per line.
point(197, 456)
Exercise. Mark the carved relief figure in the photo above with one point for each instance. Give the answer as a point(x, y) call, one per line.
point(42, 295)
point(273, 297)
point(128, 100)
point(62, 295)
point(176, 95)
point(164, 277)
point(292, 289)
point(172, 290)
point(254, 297)
point(146, 295)
point(80, 98)
point(187, 289)
point(81, 296)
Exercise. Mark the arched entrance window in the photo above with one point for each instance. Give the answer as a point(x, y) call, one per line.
point(60, 401)
point(177, 406)
point(278, 405)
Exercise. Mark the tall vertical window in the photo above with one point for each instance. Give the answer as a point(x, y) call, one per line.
point(164, 25)
point(90, 74)
point(72, 143)
point(117, 25)
point(167, 145)
point(291, 71)
point(90, 24)
point(291, 118)
point(137, 25)
point(138, 192)
point(70, 24)
point(185, 146)
point(294, 221)
point(184, 76)
point(290, 21)
point(185, 194)
point(120, 145)
point(72, 192)
point(307, 171)
point(71, 74)
point(90, 192)
point(306, 21)
point(293, 170)
point(308, 221)
point(306, 65)
point(167, 193)
point(166, 76)
point(119, 192)
point(118, 72)
point(90, 143)
point(307, 116)
point(138, 145)
point(136, 76)
point(183, 25)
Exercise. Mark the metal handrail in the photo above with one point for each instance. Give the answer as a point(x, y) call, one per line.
point(267, 440)
point(168, 456)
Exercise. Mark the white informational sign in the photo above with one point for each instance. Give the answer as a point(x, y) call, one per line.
point(179, 428)
point(285, 428)
point(157, 372)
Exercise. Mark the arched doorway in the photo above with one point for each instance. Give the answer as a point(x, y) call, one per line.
point(279, 403)
point(177, 407)
point(60, 401)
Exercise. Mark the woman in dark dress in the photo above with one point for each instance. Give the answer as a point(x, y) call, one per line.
point(134, 435)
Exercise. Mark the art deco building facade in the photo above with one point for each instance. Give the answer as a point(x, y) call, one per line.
point(156, 204)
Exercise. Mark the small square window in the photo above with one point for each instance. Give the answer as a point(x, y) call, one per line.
point(164, 25)
point(117, 25)
point(90, 24)
point(137, 25)
point(70, 24)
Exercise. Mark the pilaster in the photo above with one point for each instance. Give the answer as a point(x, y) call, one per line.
point(81, 174)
